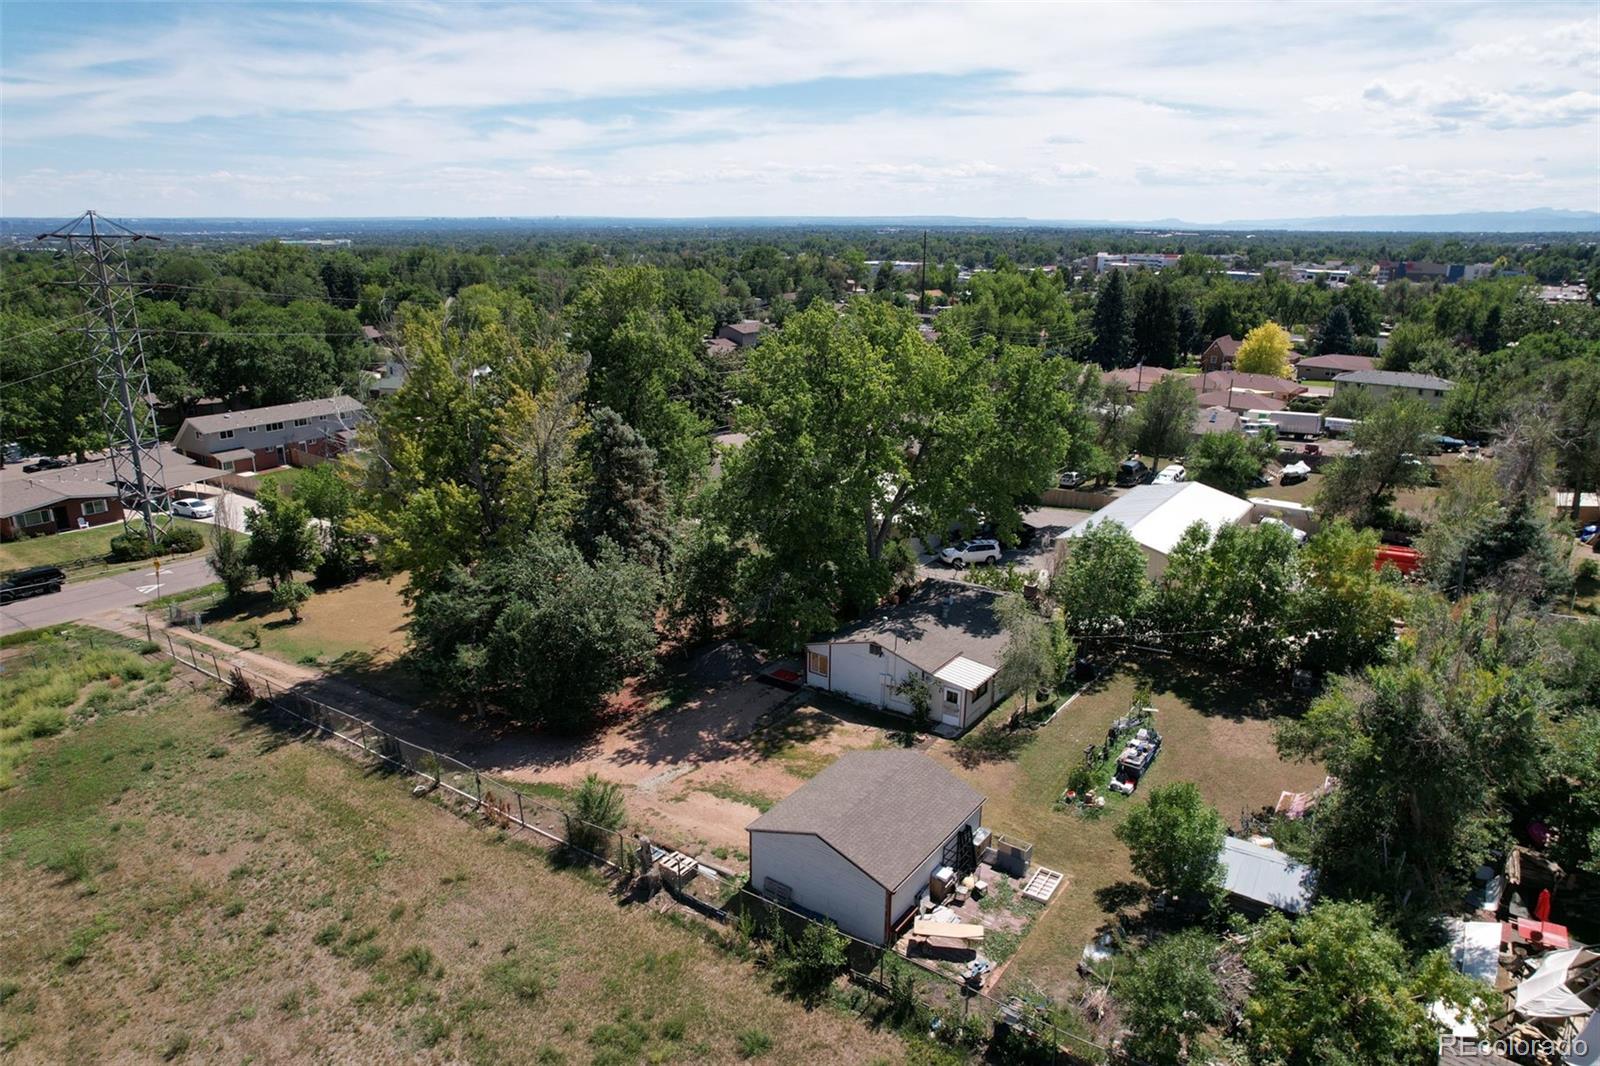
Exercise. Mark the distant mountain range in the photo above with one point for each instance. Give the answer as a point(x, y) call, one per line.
point(1535, 220)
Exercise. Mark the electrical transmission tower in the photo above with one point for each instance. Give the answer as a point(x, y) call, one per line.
point(98, 249)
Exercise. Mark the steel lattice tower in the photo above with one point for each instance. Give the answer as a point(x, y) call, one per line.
point(98, 248)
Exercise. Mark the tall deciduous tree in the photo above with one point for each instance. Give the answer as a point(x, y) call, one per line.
point(1241, 582)
point(1264, 350)
point(1228, 462)
point(1389, 445)
point(1170, 996)
point(282, 538)
point(1164, 420)
point(646, 358)
point(1334, 986)
point(1174, 841)
point(1100, 584)
point(858, 427)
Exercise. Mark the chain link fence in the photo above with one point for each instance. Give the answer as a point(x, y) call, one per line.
point(746, 915)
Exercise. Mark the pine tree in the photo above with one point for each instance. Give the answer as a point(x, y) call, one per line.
point(1111, 332)
point(627, 502)
point(1337, 336)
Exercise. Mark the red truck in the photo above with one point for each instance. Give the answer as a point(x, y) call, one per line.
point(1405, 560)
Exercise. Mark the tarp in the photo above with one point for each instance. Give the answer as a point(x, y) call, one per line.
point(1545, 994)
point(1589, 1041)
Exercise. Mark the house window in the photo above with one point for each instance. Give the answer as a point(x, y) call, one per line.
point(876, 649)
point(227, 466)
point(94, 507)
point(952, 696)
point(980, 690)
point(302, 421)
point(270, 426)
point(40, 517)
point(226, 434)
point(817, 663)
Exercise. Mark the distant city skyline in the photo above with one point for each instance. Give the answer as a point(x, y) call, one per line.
point(1141, 112)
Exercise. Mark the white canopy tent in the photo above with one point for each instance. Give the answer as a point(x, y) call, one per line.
point(1545, 993)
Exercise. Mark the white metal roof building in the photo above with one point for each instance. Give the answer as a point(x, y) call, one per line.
point(1258, 877)
point(1157, 516)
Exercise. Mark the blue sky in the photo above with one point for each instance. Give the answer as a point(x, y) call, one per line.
point(1205, 112)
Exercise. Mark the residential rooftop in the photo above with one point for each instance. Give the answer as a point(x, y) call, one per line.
point(1394, 379)
point(938, 622)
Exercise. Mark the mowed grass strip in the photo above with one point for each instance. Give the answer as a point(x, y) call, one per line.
point(190, 885)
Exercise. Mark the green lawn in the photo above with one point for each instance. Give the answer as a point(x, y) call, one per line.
point(283, 477)
point(1215, 733)
point(70, 547)
point(188, 884)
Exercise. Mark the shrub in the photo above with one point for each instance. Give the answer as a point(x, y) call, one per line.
point(597, 808)
point(290, 596)
point(130, 547)
point(181, 540)
point(806, 965)
point(753, 1043)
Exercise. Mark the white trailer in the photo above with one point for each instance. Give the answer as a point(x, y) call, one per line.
point(1338, 427)
point(1292, 423)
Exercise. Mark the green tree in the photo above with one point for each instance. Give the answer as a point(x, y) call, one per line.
point(1028, 662)
point(1164, 420)
point(1174, 841)
point(1101, 583)
point(1460, 709)
point(537, 630)
point(1336, 336)
point(645, 357)
point(598, 810)
point(626, 502)
point(1170, 996)
point(1387, 455)
point(1243, 581)
point(1155, 325)
point(1264, 350)
point(701, 587)
point(228, 559)
point(290, 596)
point(805, 966)
point(859, 426)
point(1350, 605)
point(1228, 462)
point(1334, 986)
point(1112, 323)
point(283, 541)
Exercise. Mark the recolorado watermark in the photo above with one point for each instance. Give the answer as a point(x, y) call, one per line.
point(1513, 1047)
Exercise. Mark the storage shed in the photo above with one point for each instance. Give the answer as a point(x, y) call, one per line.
point(1257, 877)
point(1157, 516)
point(858, 843)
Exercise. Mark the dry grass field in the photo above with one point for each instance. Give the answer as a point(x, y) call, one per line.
point(184, 883)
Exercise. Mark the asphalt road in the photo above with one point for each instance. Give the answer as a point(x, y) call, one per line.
point(81, 599)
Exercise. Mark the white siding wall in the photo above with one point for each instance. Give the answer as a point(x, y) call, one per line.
point(822, 881)
point(905, 896)
point(855, 672)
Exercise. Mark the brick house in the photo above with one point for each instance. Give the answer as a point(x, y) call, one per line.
point(265, 437)
point(80, 496)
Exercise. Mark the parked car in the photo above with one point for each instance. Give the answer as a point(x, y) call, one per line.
point(193, 507)
point(972, 552)
point(1298, 534)
point(1069, 479)
point(1449, 444)
point(1132, 471)
point(37, 581)
point(47, 463)
point(1170, 475)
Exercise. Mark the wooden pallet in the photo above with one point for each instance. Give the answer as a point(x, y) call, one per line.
point(1042, 885)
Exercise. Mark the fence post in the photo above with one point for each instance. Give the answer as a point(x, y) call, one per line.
point(364, 737)
point(523, 818)
point(147, 636)
point(170, 649)
point(477, 785)
point(216, 665)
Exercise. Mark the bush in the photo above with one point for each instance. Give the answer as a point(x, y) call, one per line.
point(290, 596)
point(598, 810)
point(130, 547)
point(181, 540)
point(754, 1043)
point(806, 965)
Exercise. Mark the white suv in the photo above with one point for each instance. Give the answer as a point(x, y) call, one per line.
point(1170, 475)
point(981, 550)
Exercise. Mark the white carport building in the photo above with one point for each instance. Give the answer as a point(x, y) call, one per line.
point(1157, 516)
point(859, 842)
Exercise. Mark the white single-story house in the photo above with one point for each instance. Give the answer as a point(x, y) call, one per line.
point(1393, 384)
point(1256, 877)
point(944, 634)
point(860, 841)
point(1157, 516)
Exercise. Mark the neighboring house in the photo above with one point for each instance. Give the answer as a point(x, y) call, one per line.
point(79, 496)
point(1257, 878)
point(859, 842)
point(1157, 516)
point(720, 346)
point(389, 379)
point(1219, 354)
point(1219, 419)
point(1328, 367)
point(744, 334)
point(1230, 381)
point(1136, 379)
point(263, 437)
point(944, 634)
point(1240, 400)
point(1389, 384)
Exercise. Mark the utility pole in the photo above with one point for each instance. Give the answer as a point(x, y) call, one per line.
point(98, 248)
point(922, 301)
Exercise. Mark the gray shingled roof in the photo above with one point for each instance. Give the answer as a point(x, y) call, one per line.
point(283, 412)
point(937, 622)
point(20, 492)
point(885, 811)
point(1395, 379)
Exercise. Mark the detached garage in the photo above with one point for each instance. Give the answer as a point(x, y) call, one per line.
point(859, 842)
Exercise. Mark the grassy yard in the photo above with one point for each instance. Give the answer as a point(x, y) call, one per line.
point(186, 884)
point(79, 544)
point(1219, 736)
point(283, 477)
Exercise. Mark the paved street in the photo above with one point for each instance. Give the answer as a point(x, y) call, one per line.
point(85, 598)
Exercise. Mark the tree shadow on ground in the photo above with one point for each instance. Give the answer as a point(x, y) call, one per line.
point(1234, 695)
